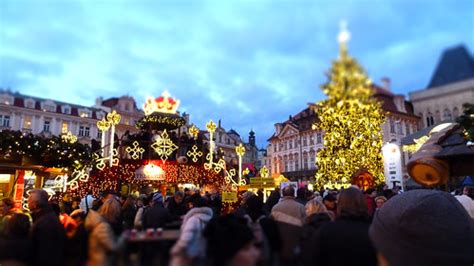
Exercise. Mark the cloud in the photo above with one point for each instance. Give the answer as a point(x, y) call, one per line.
point(251, 64)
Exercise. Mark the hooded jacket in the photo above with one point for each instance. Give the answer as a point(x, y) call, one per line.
point(101, 240)
point(191, 240)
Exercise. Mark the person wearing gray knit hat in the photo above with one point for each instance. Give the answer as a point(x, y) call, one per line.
point(423, 227)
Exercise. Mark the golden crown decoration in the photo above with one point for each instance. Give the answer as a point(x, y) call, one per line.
point(162, 104)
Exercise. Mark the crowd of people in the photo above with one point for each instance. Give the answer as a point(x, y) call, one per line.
point(293, 227)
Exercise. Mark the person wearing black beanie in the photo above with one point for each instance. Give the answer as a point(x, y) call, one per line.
point(423, 227)
point(230, 242)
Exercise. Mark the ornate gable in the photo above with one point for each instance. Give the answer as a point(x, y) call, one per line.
point(288, 131)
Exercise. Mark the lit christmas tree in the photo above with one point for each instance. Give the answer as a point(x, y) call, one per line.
point(351, 119)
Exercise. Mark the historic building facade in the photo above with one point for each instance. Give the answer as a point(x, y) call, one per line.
point(49, 117)
point(293, 147)
point(451, 85)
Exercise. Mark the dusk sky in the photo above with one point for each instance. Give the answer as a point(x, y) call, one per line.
point(249, 63)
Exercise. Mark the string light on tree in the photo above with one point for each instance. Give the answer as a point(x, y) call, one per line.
point(351, 119)
point(69, 137)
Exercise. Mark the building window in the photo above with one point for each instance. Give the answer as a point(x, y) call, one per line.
point(84, 131)
point(275, 148)
point(27, 122)
point(305, 162)
point(407, 128)
point(319, 138)
point(447, 115)
point(399, 128)
point(85, 114)
point(66, 110)
point(46, 126)
point(6, 99)
point(126, 121)
point(99, 134)
point(311, 161)
point(305, 141)
point(30, 104)
point(429, 120)
point(297, 163)
point(311, 140)
point(291, 144)
point(5, 120)
point(64, 127)
point(392, 126)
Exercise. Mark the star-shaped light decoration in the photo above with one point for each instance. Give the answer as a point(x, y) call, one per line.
point(195, 154)
point(246, 171)
point(135, 151)
point(163, 146)
point(194, 131)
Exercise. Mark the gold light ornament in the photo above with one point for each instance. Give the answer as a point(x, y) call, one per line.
point(103, 125)
point(194, 131)
point(194, 154)
point(240, 150)
point(69, 137)
point(164, 146)
point(211, 126)
point(246, 171)
point(264, 173)
point(113, 118)
point(135, 151)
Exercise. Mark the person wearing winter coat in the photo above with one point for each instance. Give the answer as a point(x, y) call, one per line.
point(191, 245)
point(15, 245)
point(157, 216)
point(47, 233)
point(348, 234)
point(102, 243)
point(138, 221)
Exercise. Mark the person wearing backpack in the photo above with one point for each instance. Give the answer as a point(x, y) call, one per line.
point(190, 249)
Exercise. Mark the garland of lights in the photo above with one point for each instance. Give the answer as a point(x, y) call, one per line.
point(160, 121)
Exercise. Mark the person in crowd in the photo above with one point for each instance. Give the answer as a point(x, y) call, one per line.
point(157, 215)
point(230, 242)
point(242, 209)
point(423, 227)
point(102, 242)
point(301, 196)
point(65, 204)
point(176, 205)
point(272, 200)
point(87, 202)
point(316, 216)
point(467, 200)
point(76, 202)
point(191, 246)
point(288, 210)
point(289, 215)
point(47, 232)
point(370, 195)
point(7, 209)
point(215, 202)
point(112, 212)
point(138, 222)
point(15, 244)
point(347, 235)
point(265, 230)
point(379, 202)
point(129, 211)
point(329, 200)
point(76, 244)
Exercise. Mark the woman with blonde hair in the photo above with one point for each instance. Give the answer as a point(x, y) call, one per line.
point(316, 216)
point(111, 210)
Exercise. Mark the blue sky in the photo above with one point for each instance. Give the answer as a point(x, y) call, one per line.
point(249, 63)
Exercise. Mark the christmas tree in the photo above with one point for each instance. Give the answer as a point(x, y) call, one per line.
point(351, 119)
